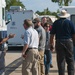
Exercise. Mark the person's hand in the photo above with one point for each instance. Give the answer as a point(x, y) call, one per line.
point(11, 35)
point(22, 36)
point(24, 55)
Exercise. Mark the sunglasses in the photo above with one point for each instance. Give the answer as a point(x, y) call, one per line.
point(34, 22)
point(47, 26)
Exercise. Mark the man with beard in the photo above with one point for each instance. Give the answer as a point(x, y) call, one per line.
point(42, 40)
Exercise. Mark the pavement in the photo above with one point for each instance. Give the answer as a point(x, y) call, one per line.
point(14, 60)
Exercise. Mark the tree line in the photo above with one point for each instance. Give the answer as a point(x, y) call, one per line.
point(44, 12)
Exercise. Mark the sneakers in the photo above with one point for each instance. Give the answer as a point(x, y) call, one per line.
point(51, 66)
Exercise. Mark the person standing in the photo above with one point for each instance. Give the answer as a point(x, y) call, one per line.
point(3, 52)
point(48, 56)
point(64, 31)
point(42, 40)
point(30, 50)
point(43, 21)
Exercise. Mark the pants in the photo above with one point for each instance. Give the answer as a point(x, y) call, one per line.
point(30, 64)
point(74, 53)
point(41, 63)
point(2, 63)
point(64, 50)
point(47, 60)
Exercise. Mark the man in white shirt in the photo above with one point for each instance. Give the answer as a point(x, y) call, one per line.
point(30, 49)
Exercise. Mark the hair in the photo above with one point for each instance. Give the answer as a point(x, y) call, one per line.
point(36, 20)
point(46, 24)
point(43, 17)
point(28, 22)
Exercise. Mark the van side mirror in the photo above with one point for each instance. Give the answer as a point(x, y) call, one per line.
point(8, 18)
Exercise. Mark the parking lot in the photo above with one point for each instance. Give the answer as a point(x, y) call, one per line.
point(14, 61)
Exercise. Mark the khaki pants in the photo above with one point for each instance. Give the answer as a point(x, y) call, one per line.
point(41, 67)
point(30, 64)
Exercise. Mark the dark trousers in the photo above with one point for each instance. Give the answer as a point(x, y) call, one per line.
point(2, 63)
point(64, 50)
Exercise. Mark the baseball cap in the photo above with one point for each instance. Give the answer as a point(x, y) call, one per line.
point(36, 20)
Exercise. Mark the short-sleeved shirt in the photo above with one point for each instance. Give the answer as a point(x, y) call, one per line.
point(63, 29)
point(31, 37)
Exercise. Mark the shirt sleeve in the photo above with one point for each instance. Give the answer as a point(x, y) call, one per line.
point(72, 28)
point(26, 37)
point(53, 30)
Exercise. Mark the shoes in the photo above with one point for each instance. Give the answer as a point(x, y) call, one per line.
point(46, 74)
point(51, 66)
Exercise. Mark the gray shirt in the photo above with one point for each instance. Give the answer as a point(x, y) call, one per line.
point(42, 37)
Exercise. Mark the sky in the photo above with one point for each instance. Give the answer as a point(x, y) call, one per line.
point(40, 5)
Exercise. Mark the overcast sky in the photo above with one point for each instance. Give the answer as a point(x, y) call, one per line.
point(40, 5)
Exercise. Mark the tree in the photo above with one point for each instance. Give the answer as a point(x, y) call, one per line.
point(62, 2)
point(47, 12)
point(13, 3)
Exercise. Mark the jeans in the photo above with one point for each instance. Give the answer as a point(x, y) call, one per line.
point(64, 50)
point(2, 63)
point(47, 60)
point(74, 52)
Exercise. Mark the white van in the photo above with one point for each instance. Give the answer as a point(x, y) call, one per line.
point(16, 25)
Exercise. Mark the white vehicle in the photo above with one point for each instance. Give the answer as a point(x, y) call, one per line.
point(3, 26)
point(71, 10)
point(16, 25)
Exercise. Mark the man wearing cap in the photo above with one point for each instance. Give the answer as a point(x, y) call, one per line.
point(64, 31)
point(30, 50)
point(42, 40)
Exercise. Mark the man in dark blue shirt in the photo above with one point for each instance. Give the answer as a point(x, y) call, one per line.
point(64, 31)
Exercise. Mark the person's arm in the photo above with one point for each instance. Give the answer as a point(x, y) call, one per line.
point(52, 42)
point(73, 38)
point(25, 47)
point(5, 39)
point(26, 43)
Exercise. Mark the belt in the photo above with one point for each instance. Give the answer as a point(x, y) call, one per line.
point(29, 49)
point(32, 48)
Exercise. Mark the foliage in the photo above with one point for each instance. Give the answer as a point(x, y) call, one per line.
point(13, 3)
point(62, 2)
point(18, 3)
point(47, 12)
